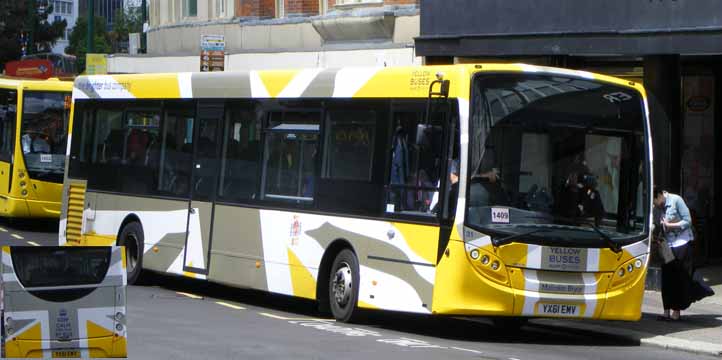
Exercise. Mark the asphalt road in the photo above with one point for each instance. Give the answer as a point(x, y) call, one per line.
point(26, 232)
point(176, 318)
point(173, 318)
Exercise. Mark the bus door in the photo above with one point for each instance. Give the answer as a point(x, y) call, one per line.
point(8, 114)
point(204, 179)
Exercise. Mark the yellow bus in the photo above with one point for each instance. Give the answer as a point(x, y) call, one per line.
point(34, 117)
point(502, 190)
point(64, 302)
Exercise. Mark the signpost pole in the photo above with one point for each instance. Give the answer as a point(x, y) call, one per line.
point(91, 22)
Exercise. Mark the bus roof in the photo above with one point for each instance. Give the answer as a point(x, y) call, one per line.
point(52, 84)
point(356, 82)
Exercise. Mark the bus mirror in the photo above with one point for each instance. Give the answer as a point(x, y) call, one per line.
point(445, 88)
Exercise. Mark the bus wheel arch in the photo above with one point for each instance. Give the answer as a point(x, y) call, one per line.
point(338, 281)
point(132, 237)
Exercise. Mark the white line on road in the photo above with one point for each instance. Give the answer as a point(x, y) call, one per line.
point(3, 229)
point(230, 305)
point(192, 296)
point(469, 350)
point(279, 317)
point(33, 243)
point(17, 236)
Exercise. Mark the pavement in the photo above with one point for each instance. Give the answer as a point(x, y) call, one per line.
point(699, 331)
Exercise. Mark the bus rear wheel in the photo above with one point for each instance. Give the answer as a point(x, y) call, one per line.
point(343, 286)
point(132, 238)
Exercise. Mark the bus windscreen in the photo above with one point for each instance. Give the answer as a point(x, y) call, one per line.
point(44, 134)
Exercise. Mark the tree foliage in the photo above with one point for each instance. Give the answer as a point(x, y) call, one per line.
point(127, 21)
point(28, 17)
point(78, 44)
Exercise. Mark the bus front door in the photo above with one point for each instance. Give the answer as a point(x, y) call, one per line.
point(206, 158)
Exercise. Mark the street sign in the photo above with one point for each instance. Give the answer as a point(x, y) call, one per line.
point(96, 64)
point(213, 42)
point(213, 52)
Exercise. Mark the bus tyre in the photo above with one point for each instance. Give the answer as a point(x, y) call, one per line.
point(132, 238)
point(343, 286)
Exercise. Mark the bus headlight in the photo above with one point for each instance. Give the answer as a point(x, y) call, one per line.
point(638, 263)
point(24, 192)
point(620, 272)
point(495, 265)
point(474, 254)
point(22, 184)
point(630, 268)
point(119, 327)
point(119, 316)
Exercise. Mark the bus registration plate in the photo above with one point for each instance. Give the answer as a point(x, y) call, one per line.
point(66, 353)
point(558, 309)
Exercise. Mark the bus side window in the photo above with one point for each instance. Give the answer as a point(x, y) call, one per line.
point(416, 153)
point(241, 150)
point(8, 114)
point(176, 151)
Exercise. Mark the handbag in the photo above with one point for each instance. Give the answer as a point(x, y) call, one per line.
point(665, 251)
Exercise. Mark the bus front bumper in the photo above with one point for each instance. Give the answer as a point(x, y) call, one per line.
point(101, 347)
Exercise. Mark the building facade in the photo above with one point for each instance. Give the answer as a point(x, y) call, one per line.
point(64, 10)
point(673, 46)
point(263, 34)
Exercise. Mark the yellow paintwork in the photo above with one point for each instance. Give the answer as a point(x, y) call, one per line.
point(304, 285)
point(461, 291)
point(43, 198)
point(102, 340)
point(423, 240)
point(92, 239)
point(276, 81)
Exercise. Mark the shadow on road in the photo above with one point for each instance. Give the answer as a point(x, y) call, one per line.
point(31, 225)
point(445, 327)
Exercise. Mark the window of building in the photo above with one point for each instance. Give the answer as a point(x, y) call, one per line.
point(241, 154)
point(190, 8)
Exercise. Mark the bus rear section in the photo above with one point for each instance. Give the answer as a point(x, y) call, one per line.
point(557, 203)
point(34, 123)
point(64, 301)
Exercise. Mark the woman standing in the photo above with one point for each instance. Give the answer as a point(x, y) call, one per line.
point(676, 226)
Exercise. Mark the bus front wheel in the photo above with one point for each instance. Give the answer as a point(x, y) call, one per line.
point(132, 238)
point(343, 286)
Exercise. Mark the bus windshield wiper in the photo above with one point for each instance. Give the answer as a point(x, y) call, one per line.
point(507, 239)
point(613, 245)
